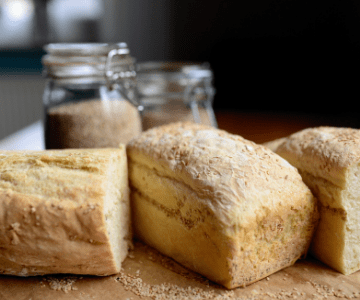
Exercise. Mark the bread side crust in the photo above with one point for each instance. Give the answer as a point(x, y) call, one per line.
point(52, 212)
point(187, 231)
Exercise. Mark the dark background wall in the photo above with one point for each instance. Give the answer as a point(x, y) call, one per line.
point(267, 55)
point(274, 54)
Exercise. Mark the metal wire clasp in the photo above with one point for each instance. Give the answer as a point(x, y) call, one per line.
point(199, 89)
point(122, 77)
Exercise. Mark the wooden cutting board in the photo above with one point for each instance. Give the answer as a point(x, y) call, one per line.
point(147, 274)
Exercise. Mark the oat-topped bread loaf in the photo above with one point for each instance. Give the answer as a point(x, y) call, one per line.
point(63, 211)
point(223, 206)
point(328, 159)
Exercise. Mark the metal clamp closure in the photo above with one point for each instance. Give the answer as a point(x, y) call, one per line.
point(124, 80)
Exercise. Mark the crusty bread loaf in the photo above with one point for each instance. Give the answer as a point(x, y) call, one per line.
point(64, 211)
point(328, 159)
point(223, 206)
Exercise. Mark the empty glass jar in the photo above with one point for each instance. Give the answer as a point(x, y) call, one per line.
point(175, 91)
point(89, 98)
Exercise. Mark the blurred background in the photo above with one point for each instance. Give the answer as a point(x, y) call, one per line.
point(282, 60)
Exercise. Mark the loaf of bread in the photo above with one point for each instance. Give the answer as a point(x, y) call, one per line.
point(64, 211)
point(328, 158)
point(220, 205)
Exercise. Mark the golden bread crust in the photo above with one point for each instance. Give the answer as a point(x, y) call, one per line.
point(52, 212)
point(242, 195)
point(328, 160)
point(323, 151)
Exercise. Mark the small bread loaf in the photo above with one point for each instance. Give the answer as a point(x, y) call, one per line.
point(328, 158)
point(64, 211)
point(220, 205)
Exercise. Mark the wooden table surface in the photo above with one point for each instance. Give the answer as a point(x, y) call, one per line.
point(148, 275)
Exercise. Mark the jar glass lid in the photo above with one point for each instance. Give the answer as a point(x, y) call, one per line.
point(82, 49)
point(84, 62)
point(156, 78)
point(174, 69)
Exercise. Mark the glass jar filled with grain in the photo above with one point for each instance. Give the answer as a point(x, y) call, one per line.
point(175, 91)
point(90, 99)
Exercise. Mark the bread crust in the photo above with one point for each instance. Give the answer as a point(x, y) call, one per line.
point(52, 216)
point(325, 152)
point(251, 203)
point(328, 160)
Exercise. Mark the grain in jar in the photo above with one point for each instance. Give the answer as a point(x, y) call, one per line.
point(91, 124)
point(89, 99)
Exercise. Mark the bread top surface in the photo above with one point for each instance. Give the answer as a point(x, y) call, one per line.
point(67, 176)
point(240, 181)
point(327, 152)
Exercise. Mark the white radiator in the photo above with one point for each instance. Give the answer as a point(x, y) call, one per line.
point(20, 102)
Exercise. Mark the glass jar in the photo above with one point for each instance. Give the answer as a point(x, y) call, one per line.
point(175, 91)
point(89, 97)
